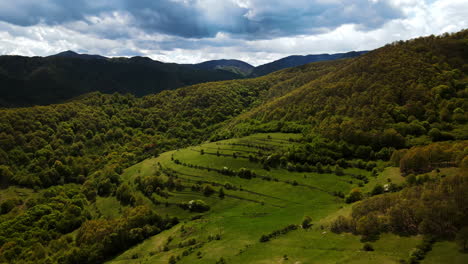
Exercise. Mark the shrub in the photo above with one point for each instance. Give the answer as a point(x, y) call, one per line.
point(198, 206)
point(8, 205)
point(368, 226)
point(354, 196)
point(221, 193)
point(246, 173)
point(339, 171)
point(172, 260)
point(208, 190)
point(306, 223)
point(124, 195)
point(274, 234)
point(378, 189)
point(264, 238)
point(368, 247)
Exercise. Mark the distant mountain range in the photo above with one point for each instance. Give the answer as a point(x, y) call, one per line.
point(297, 60)
point(26, 81)
point(247, 70)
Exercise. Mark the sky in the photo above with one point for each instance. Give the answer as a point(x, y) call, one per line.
point(191, 31)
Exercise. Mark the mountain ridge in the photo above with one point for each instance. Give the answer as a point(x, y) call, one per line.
point(238, 66)
point(72, 54)
point(298, 60)
point(234, 65)
point(26, 81)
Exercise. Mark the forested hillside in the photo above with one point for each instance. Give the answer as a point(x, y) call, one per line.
point(236, 66)
point(371, 100)
point(402, 105)
point(27, 81)
point(404, 89)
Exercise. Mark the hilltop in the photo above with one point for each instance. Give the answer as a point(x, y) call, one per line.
point(236, 66)
point(72, 54)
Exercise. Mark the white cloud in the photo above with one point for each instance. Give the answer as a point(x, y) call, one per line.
point(114, 34)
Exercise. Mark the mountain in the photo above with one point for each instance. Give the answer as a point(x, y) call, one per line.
point(245, 69)
point(236, 66)
point(26, 81)
point(72, 54)
point(39, 81)
point(297, 60)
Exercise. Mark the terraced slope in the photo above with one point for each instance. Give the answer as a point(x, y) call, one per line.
point(251, 208)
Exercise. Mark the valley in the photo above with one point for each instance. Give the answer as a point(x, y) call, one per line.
point(355, 160)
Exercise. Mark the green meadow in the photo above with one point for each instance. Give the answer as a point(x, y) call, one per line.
point(231, 230)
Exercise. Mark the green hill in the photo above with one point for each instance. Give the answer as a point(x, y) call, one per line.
point(419, 83)
point(26, 81)
point(236, 66)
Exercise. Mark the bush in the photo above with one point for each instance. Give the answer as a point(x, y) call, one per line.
point(435, 134)
point(264, 238)
point(378, 189)
point(306, 223)
point(198, 206)
point(339, 171)
point(368, 247)
point(274, 234)
point(208, 190)
point(354, 196)
point(368, 226)
point(125, 195)
point(221, 193)
point(246, 173)
point(172, 260)
point(341, 224)
point(8, 205)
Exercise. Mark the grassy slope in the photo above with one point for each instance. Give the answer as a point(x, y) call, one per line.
point(445, 252)
point(15, 192)
point(242, 222)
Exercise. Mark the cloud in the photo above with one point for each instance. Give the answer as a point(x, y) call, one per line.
point(249, 19)
point(31, 12)
point(257, 31)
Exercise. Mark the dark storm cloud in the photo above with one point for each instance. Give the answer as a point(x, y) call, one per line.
point(31, 12)
point(246, 19)
point(183, 19)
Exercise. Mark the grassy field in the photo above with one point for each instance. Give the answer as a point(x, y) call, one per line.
point(275, 199)
point(445, 252)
